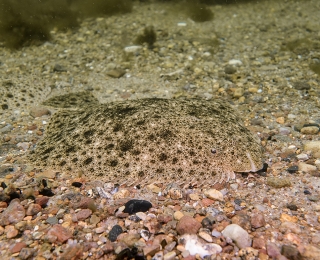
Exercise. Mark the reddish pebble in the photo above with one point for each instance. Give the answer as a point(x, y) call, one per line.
point(188, 225)
point(257, 220)
point(84, 214)
point(42, 201)
point(258, 243)
point(17, 247)
point(13, 214)
point(59, 233)
point(33, 209)
point(11, 231)
point(207, 202)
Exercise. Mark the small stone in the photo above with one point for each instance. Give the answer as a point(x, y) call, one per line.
point(151, 250)
point(278, 182)
point(280, 120)
point(154, 188)
point(141, 215)
point(114, 233)
point(194, 196)
point(170, 255)
point(11, 231)
point(238, 92)
point(307, 168)
point(310, 130)
point(205, 236)
point(302, 157)
point(293, 169)
point(229, 69)
point(243, 220)
point(94, 220)
point(178, 215)
point(83, 214)
point(134, 206)
point(13, 214)
point(285, 217)
point(300, 85)
point(17, 247)
point(39, 111)
point(121, 194)
point(292, 206)
point(26, 253)
point(290, 252)
point(33, 209)
point(214, 194)
point(116, 73)
point(52, 220)
point(58, 233)
point(187, 225)
point(258, 243)
point(240, 237)
point(313, 146)
point(273, 251)
point(42, 201)
point(100, 230)
point(311, 252)
point(248, 253)
point(257, 220)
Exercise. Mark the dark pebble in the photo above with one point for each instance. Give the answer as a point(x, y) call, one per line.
point(292, 207)
point(293, 169)
point(52, 220)
point(300, 85)
point(134, 206)
point(230, 70)
point(59, 68)
point(77, 184)
point(291, 252)
point(114, 233)
point(306, 192)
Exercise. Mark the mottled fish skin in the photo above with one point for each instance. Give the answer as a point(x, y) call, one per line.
point(150, 140)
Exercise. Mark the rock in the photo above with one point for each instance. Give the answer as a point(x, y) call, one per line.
point(205, 236)
point(300, 85)
point(313, 146)
point(278, 182)
point(214, 194)
point(134, 206)
point(141, 215)
point(248, 253)
point(26, 253)
point(243, 220)
point(116, 73)
point(305, 167)
point(58, 233)
point(238, 92)
point(240, 237)
point(17, 247)
point(11, 231)
point(293, 169)
point(151, 250)
point(257, 220)
point(13, 214)
point(309, 130)
point(258, 243)
point(187, 225)
point(178, 215)
point(84, 214)
point(229, 69)
point(114, 233)
point(272, 250)
point(39, 111)
point(170, 255)
point(195, 246)
point(154, 188)
point(302, 157)
point(291, 252)
point(311, 252)
point(73, 251)
point(33, 209)
point(52, 220)
point(42, 201)
point(82, 202)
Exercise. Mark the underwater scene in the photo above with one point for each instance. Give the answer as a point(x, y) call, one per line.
point(160, 129)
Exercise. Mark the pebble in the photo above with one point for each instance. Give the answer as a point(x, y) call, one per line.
point(305, 167)
point(134, 206)
point(293, 169)
point(116, 73)
point(178, 215)
point(187, 225)
point(195, 246)
point(17, 247)
point(272, 250)
point(302, 157)
point(205, 236)
point(52, 220)
point(39, 111)
point(240, 237)
point(83, 214)
point(58, 233)
point(257, 220)
point(311, 252)
point(115, 232)
point(310, 130)
point(313, 146)
point(33, 209)
point(26, 253)
point(13, 214)
point(141, 215)
point(290, 252)
point(11, 231)
point(170, 255)
point(229, 69)
point(238, 92)
point(278, 182)
point(214, 194)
